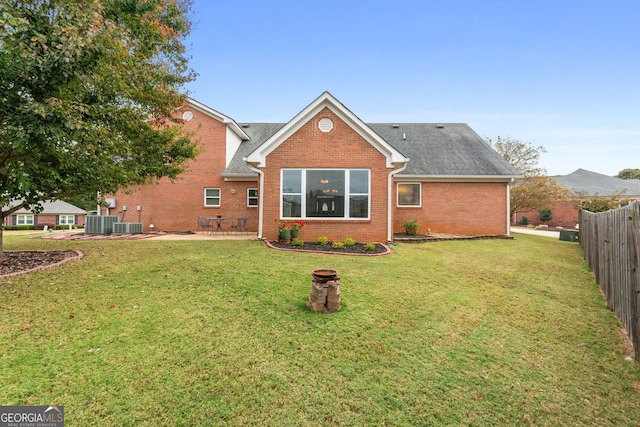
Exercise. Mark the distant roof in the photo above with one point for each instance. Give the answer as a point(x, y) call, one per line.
point(57, 207)
point(445, 150)
point(592, 183)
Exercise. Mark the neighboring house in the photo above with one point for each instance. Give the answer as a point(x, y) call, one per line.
point(584, 183)
point(341, 176)
point(53, 213)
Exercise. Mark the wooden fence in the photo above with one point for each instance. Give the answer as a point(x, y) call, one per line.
point(611, 244)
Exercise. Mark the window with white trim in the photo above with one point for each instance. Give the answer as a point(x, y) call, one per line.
point(24, 219)
point(325, 193)
point(409, 194)
point(252, 197)
point(212, 197)
point(66, 219)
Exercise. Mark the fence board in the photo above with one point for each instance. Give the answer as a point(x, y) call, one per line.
point(611, 245)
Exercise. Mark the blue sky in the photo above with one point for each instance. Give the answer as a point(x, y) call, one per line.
point(564, 74)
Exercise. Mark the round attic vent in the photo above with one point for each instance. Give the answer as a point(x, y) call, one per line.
point(187, 115)
point(325, 125)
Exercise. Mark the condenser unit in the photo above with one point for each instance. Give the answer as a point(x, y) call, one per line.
point(127, 228)
point(100, 224)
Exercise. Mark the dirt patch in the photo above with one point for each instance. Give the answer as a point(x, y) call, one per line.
point(21, 262)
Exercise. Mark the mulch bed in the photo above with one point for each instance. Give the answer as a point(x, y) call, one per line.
point(20, 262)
point(357, 249)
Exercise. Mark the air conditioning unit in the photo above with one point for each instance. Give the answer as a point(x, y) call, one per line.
point(100, 224)
point(127, 227)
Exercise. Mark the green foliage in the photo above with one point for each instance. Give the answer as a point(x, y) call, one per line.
point(297, 242)
point(19, 227)
point(369, 246)
point(337, 245)
point(629, 174)
point(545, 215)
point(322, 240)
point(88, 94)
point(535, 190)
point(524, 220)
point(599, 203)
point(410, 226)
point(349, 241)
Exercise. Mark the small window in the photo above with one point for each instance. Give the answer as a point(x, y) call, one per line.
point(67, 219)
point(212, 197)
point(252, 197)
point(409, 194)
point(24, 220)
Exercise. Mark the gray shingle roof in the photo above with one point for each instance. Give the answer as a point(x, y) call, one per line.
point(452, 149)
point(592, 183)
point(57, 207)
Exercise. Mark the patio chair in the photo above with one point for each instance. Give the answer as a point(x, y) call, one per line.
point(240, 224)
point(205, 224)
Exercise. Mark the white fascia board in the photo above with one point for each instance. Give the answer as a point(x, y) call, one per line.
point(258, 156)
point(220, 117)
point(455, 178)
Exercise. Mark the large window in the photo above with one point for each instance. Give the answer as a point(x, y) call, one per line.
point(24, 220)
point(212, 197)
point(409, 194)
point(325, 193)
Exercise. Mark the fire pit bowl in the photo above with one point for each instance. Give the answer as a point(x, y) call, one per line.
point(323, 275)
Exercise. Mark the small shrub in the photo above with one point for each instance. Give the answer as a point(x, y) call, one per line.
point(297, 242)
point(349, 241)
point(337, 245)
point(524, 220)
point(545, 215)
point(411, 226)
point(369, 246)
point(322, 240)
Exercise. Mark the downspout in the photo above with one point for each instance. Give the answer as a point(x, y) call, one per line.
point(509, 207)
point(390, 199)
point(260, 197)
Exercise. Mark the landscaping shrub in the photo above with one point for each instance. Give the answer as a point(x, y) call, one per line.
point(19, 227)
point(349, 241)
point(337, 245)
point(524, 220)
point(410, 226)
point(297, 242)
point(545, 215)
point(369, 246)
point(322, 240)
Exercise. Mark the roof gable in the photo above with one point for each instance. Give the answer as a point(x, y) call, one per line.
point(231, 124)
point(326, 100)
point(593, 183)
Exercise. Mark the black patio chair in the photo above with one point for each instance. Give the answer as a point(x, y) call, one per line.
point(205, 224)
point(240, 224)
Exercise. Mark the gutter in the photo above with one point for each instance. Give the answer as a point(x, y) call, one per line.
point(260, 196)
point(389, 199)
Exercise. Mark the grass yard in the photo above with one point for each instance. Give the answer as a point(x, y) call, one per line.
point(187, 333)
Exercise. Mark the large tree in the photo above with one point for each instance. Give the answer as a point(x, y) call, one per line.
point(87, 90)
point(629, 174)
point(536, 190)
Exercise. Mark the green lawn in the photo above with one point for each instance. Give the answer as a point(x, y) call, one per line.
point(148, 333)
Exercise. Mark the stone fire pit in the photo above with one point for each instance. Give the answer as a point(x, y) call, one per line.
point(325, 291)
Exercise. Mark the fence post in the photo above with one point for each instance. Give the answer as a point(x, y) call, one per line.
point(633, 245)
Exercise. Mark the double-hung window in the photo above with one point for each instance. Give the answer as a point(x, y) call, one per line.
point(212, 197)
point(24, 219)
point(325, 193)
point(67, 219)
point(252, 197)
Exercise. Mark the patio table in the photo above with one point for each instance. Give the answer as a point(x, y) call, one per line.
point(219, 221)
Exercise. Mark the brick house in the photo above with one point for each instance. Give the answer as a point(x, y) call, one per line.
point(53, 213)
point(341, 176)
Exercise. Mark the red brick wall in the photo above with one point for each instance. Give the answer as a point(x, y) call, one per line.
point(175, 206)
point(342, 147)
point(457, 208)
point(565, 214)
